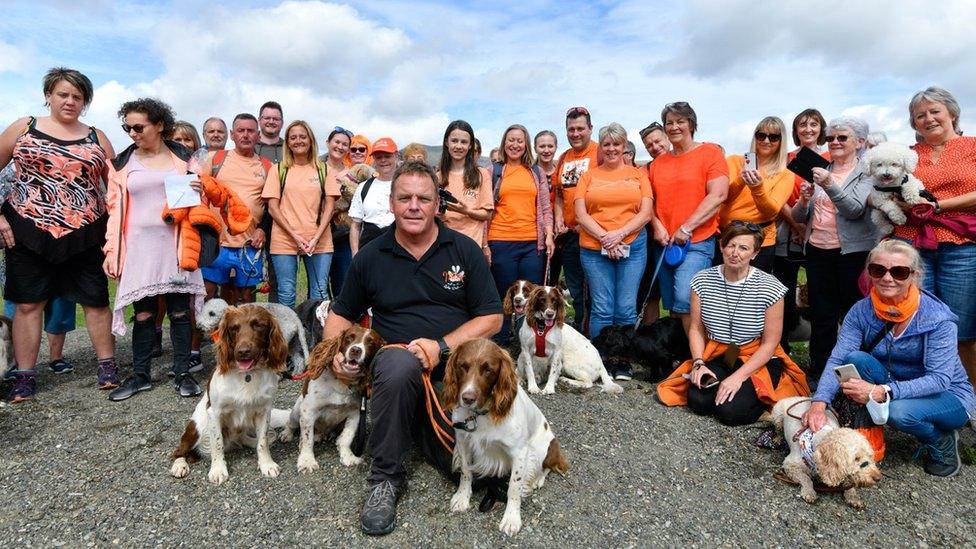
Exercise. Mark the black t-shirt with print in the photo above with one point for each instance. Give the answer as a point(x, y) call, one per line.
point(448, 286)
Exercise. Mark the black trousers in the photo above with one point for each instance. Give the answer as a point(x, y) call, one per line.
point(786, 270)
point(144, 332)
point(744, 408)
point(832, 285)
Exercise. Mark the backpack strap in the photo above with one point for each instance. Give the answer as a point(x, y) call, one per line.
point(364, 189)
point(282, 176)
point(322, 171)
point(497, 169)
point(869, 346)
point(266, 165)
point(217, 162)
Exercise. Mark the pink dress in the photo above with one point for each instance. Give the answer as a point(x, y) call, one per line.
point(151, 266)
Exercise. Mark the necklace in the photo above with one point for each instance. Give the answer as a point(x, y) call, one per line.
point(732, 351)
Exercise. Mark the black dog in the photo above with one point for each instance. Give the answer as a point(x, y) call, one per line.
point(656, 347)
point(313, 328)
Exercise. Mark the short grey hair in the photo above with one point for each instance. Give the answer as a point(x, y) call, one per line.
point(858, 126)
point(214, 119)
point(615, 132)
point(895, 246)
point(876, 138)
point(936, 94)
point(682, 109)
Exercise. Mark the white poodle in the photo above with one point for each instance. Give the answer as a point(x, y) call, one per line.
point(890, 165)
point(291, 328)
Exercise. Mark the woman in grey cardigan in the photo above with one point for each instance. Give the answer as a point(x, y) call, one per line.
point(903, 342)
point(839, 234)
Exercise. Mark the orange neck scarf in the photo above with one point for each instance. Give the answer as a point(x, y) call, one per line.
point(899, 312)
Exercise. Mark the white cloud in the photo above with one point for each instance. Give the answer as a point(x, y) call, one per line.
point(12, 58)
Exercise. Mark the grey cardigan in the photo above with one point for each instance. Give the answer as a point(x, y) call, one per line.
point(855, 229)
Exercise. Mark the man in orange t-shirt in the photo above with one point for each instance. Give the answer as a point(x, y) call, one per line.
point(572, 164)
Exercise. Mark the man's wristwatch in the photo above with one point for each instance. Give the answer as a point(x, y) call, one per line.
point(445, 351)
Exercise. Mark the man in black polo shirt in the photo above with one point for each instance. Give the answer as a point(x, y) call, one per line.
point(429, 288)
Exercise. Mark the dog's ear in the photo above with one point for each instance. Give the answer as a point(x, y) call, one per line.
point(910, 160)
point(832, 461)
point(506, 385)
point(507, 307)
point(449, 395)
point(320, 359)
point(277, 346)
point(226, 335)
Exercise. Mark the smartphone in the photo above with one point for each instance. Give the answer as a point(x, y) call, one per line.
point(707, 381)
point(846, 372)
point(625, 250)
point(751, 162)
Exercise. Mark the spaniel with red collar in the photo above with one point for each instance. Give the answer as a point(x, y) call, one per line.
point(235, 409)
point(550, 345)
point(498, 429)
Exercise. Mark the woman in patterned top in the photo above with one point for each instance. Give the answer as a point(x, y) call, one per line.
point(53, 223)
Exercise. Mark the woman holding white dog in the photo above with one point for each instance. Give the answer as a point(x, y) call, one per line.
point(947, 168)
point(738, 370)
point(839, 234)
point(902, 341)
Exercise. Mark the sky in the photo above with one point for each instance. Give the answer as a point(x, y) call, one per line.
point(405, 69)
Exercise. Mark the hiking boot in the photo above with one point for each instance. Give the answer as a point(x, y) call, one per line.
point(130, 387)
point(108, 375)
point(25, 387)
point(60, 366)
point(157, 350)
point(625, 372)
point(378, 517)
point(186, 386)
point(943, 458)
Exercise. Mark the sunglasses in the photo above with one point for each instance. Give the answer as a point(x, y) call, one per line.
point(838, 138)
point(677, 105)
point(340, 129)
point(752, 227)
point(577, 111)
point(653, 126)
point(899, 272)
point(771, 137)
point(134, 128)
point(357, 149)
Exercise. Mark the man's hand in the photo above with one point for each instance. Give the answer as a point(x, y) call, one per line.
point(427, 351)
point(347, 375)
point(257, 239)
point(6, 233)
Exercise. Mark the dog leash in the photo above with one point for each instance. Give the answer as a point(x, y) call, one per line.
point(545, 280)
point(432, 403)
point(657, 270)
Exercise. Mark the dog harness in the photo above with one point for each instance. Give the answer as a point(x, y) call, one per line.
point(896, 189)
point(805, 442)
point(540, 338)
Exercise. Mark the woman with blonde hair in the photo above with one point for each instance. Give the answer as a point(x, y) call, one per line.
point(186, 134)
point(301, 199)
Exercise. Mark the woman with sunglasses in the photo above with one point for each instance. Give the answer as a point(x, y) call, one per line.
point(839, 234)
point(301, 198)
point(758, 193)
point(53, 224)
point(902, 340)
point(359, 151)
point(337, 150)
point(141, 249)
point(738, 370)
point(470, 185)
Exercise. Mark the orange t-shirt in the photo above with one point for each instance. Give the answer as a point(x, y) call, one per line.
point(612, 198)
point(300, 205)
point(475, 199)
point(246, 177)
point(679, 183)
point(515, 213)
point(953, 175)
point(571, 166)
point(755, 205)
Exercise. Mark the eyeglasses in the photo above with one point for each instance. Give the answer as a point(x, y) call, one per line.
point(340, 129)
point(752, 227)
point(772, 137)
point(134, 128)
point(577, 111)
point(898, 272)
point(651, 127)
point(357, 149)
point(839, 138)
point(631, 153)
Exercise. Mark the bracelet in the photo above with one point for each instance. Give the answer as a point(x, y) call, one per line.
point(697, 363)
point(684, 230)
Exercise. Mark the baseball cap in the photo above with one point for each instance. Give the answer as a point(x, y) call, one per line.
point(384, 145)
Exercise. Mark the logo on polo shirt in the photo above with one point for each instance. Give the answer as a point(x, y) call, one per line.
point(454, 278)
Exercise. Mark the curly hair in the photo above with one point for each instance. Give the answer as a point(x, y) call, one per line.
point(154, 109)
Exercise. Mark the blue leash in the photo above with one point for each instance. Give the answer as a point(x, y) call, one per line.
point(657, 269)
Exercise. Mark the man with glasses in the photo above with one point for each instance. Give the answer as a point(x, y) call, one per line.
point(270, 143)
point(572, 164)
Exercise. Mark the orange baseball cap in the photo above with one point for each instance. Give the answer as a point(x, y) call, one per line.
point(384, 145)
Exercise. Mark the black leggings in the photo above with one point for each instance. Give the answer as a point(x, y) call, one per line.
point(744, 408)
point(144, 332)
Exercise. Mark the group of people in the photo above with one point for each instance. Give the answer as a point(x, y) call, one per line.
point(717, 240)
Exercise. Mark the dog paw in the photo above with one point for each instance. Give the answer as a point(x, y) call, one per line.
point(809, 496)
point(307, 463)
point(286, 435)
point(180, 468)
point(270, 469)
point(898, 217)
point(350, 460)
point(460, 503)
point(857, 504)
point(218, 474)
point(534, 389)
point(549, 390)
point(511, 523)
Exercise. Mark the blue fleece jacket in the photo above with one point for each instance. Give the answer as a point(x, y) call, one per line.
point(922, 361)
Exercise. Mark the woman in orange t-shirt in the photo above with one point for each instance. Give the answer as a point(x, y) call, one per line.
point(301, 206)
point(612, 205)
point(520, 231)
point(471, 186)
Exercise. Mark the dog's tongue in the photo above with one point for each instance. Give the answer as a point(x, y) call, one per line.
point(550, 322)
point(520, 309)
point(245, 365)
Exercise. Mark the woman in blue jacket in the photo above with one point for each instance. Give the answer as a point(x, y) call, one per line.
point(903, 342)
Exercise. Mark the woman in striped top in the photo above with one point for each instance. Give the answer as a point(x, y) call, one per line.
point(739, 369)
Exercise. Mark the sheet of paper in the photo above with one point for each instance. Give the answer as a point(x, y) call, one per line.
point(179, 194)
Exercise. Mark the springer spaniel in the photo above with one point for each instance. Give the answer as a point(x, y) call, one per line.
point(517, 297)
point(549, 344)
point(497, 428)
point(326, 402)
point(235, 409)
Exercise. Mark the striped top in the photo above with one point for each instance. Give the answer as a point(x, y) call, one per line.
point(741, 304)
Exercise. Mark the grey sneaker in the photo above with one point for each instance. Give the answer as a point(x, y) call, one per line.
point(943, 459)
point(378, 517)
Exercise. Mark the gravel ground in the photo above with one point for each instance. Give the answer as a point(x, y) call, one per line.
point(79, 470)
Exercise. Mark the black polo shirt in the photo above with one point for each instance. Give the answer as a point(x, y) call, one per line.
point(448, 286)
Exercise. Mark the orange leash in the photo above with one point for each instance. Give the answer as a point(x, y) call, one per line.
point(434, 409)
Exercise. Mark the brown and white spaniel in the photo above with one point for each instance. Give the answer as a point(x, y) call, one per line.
point(326, 402)
point(498, 429)
point(235, 409)
point(550, 345)
point(517, 297)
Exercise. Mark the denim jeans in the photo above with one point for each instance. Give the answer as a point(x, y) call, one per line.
point(511, 261)
point(317, 266)
point(59, 314)
point(341, 259)
point(950, 274)
point(926, 418)
point(613, 285)
point(575, 281)
point(676, 281)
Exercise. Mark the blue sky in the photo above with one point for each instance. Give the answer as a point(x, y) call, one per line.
point(405, 69)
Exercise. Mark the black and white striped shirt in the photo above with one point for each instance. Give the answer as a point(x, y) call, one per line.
point(741, 304)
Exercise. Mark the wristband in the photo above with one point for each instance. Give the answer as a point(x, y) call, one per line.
point(697, 363)
point(684, 231)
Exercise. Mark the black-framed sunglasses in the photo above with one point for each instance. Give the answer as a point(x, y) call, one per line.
point(340, 129)
point(838, 138)
point(747, 224)
point(771, 137)
point(651, 127)
point(134, 128)
point(357, 149)
point(898, 272)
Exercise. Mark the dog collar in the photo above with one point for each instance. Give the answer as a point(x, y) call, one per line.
point(540, 337)
point(892, 188)
point(471, 424)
